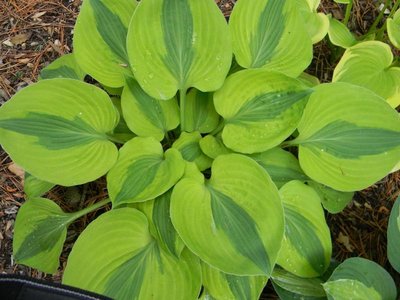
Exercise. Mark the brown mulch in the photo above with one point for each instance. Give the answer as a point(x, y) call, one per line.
point(33, 33)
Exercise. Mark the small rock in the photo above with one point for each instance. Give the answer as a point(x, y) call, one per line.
point(8, 43)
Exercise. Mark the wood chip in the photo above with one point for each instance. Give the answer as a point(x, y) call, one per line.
point(8, 43)
point(345, 241)
point(17, 170)
point(20, 38)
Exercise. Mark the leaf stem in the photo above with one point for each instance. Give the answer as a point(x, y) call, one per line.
point(349, 7)
point(182, 104)
point(78, 214)
point(372, 29)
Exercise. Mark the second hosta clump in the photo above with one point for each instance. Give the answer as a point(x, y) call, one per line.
point(207, 200)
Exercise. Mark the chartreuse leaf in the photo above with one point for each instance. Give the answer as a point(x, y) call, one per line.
point(349, 138)
point(100, 40)
point(57, 130)
point(173, 45)
point(225, 286)
point(121, 132)
point(147, 116)
point(306, 247)
point(393, 29)
point(212, 146)
point(332, 200)
point(349, 289)
point(393, 236)
point(339, 34)
point(317, 24)
point(281, 165)
point(143, 171)
point(40, 232)
point(128, 263)
point(160, 225)
point(188, 145)
point(200, 114)
point(370, 278)
point(233, 221)
point(34, 187)
point(368, 64)
point(270, 34)
point(308, 80)
point(63, 67)
point(261, 108)
point(303, 287)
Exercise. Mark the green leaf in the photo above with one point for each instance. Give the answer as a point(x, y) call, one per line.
point(40, 232)
point(260, 108)
point(188, 145)
point(63, 67)
point(160, 225)
point(281, 165)
point(393, 29)
point(317, 24)
point(57, 130)
point(307, 248)
point(393, 236)
point(305, 287)
point(172, 45)
point(200, 114)
point(308, 80)
point(128, 263)
point(233, 221)
point(100, 36)
point(225, 286)
point(121, 132)
point(147, 116)
point(270, 34)
point(371, 275)
point(349, 138)
point(34, 187)
point(143, 171)
point(368, 64)
point(332, 200)
point(350, 289)
point(339, 34)
point(212, 146)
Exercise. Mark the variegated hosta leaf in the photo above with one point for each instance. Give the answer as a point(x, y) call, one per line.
point(393, 236)
point(306, 247)
point(63, 67)
point(260, 108)
point(350, 289)
point(393, 29)
point(34, 187)
point(308, 80)
point(317, 24)
point(143, 171)
point(270, 34)
point(200, 114)
point(40, 232)
point(369, 279)
point(117, 256)
point(188, 145)
point(349, 138)
point(57, 130)
point(173, 45)
point(332, 200)
point(212, 146)
point(121, 132)
point(368, 64)
point(100, 40)
point(160, 225)
point(225, 286)
point(339, 34)
point(233, 221)
point(281, 165)
point(147, 116)
point(300, 288)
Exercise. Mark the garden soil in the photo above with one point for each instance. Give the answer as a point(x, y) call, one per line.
point(33, 33)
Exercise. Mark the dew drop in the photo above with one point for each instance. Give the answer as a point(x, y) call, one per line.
point(151, 75)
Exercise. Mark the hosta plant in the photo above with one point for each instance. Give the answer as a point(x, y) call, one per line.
point(220, 154)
